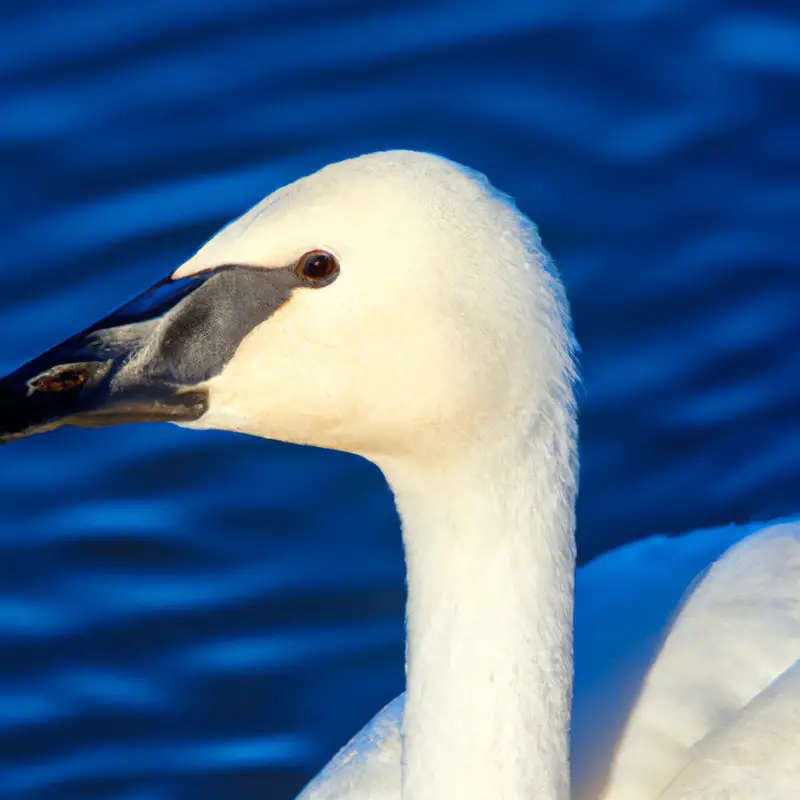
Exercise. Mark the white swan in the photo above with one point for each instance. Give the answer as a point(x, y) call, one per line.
point(397, 307)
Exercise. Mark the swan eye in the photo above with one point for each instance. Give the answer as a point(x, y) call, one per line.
point(318, 267)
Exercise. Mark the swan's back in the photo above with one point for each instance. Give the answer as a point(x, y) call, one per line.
point(756, 755)
point(738, 632)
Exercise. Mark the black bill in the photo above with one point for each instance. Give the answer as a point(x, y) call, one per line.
point(146, 361)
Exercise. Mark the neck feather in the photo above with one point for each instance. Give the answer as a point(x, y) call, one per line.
point(489, 547)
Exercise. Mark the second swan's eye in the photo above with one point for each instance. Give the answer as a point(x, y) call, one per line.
point(318, 267)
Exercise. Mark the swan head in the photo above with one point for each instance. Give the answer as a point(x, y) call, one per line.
point(392, 305)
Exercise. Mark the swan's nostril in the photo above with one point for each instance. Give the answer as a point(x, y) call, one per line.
point(61, 379)
point(32, 399)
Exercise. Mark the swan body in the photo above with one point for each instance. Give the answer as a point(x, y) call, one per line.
point(754, 755)
point(736, 635)
point(715, 707)
point(396, 306)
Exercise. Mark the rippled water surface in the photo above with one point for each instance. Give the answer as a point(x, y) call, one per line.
point(188, 615)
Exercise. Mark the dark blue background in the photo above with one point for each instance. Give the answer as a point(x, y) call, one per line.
point(176, 619)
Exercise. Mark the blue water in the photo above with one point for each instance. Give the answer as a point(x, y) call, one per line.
point(188, 615)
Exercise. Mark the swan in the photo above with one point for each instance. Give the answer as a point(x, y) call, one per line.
point(398, 307)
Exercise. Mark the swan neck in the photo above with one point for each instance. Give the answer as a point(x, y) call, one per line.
point(489, 546)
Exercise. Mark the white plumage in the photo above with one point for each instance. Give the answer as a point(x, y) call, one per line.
point(716, 707)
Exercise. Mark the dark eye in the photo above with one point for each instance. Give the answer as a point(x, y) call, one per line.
point(318, 267)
